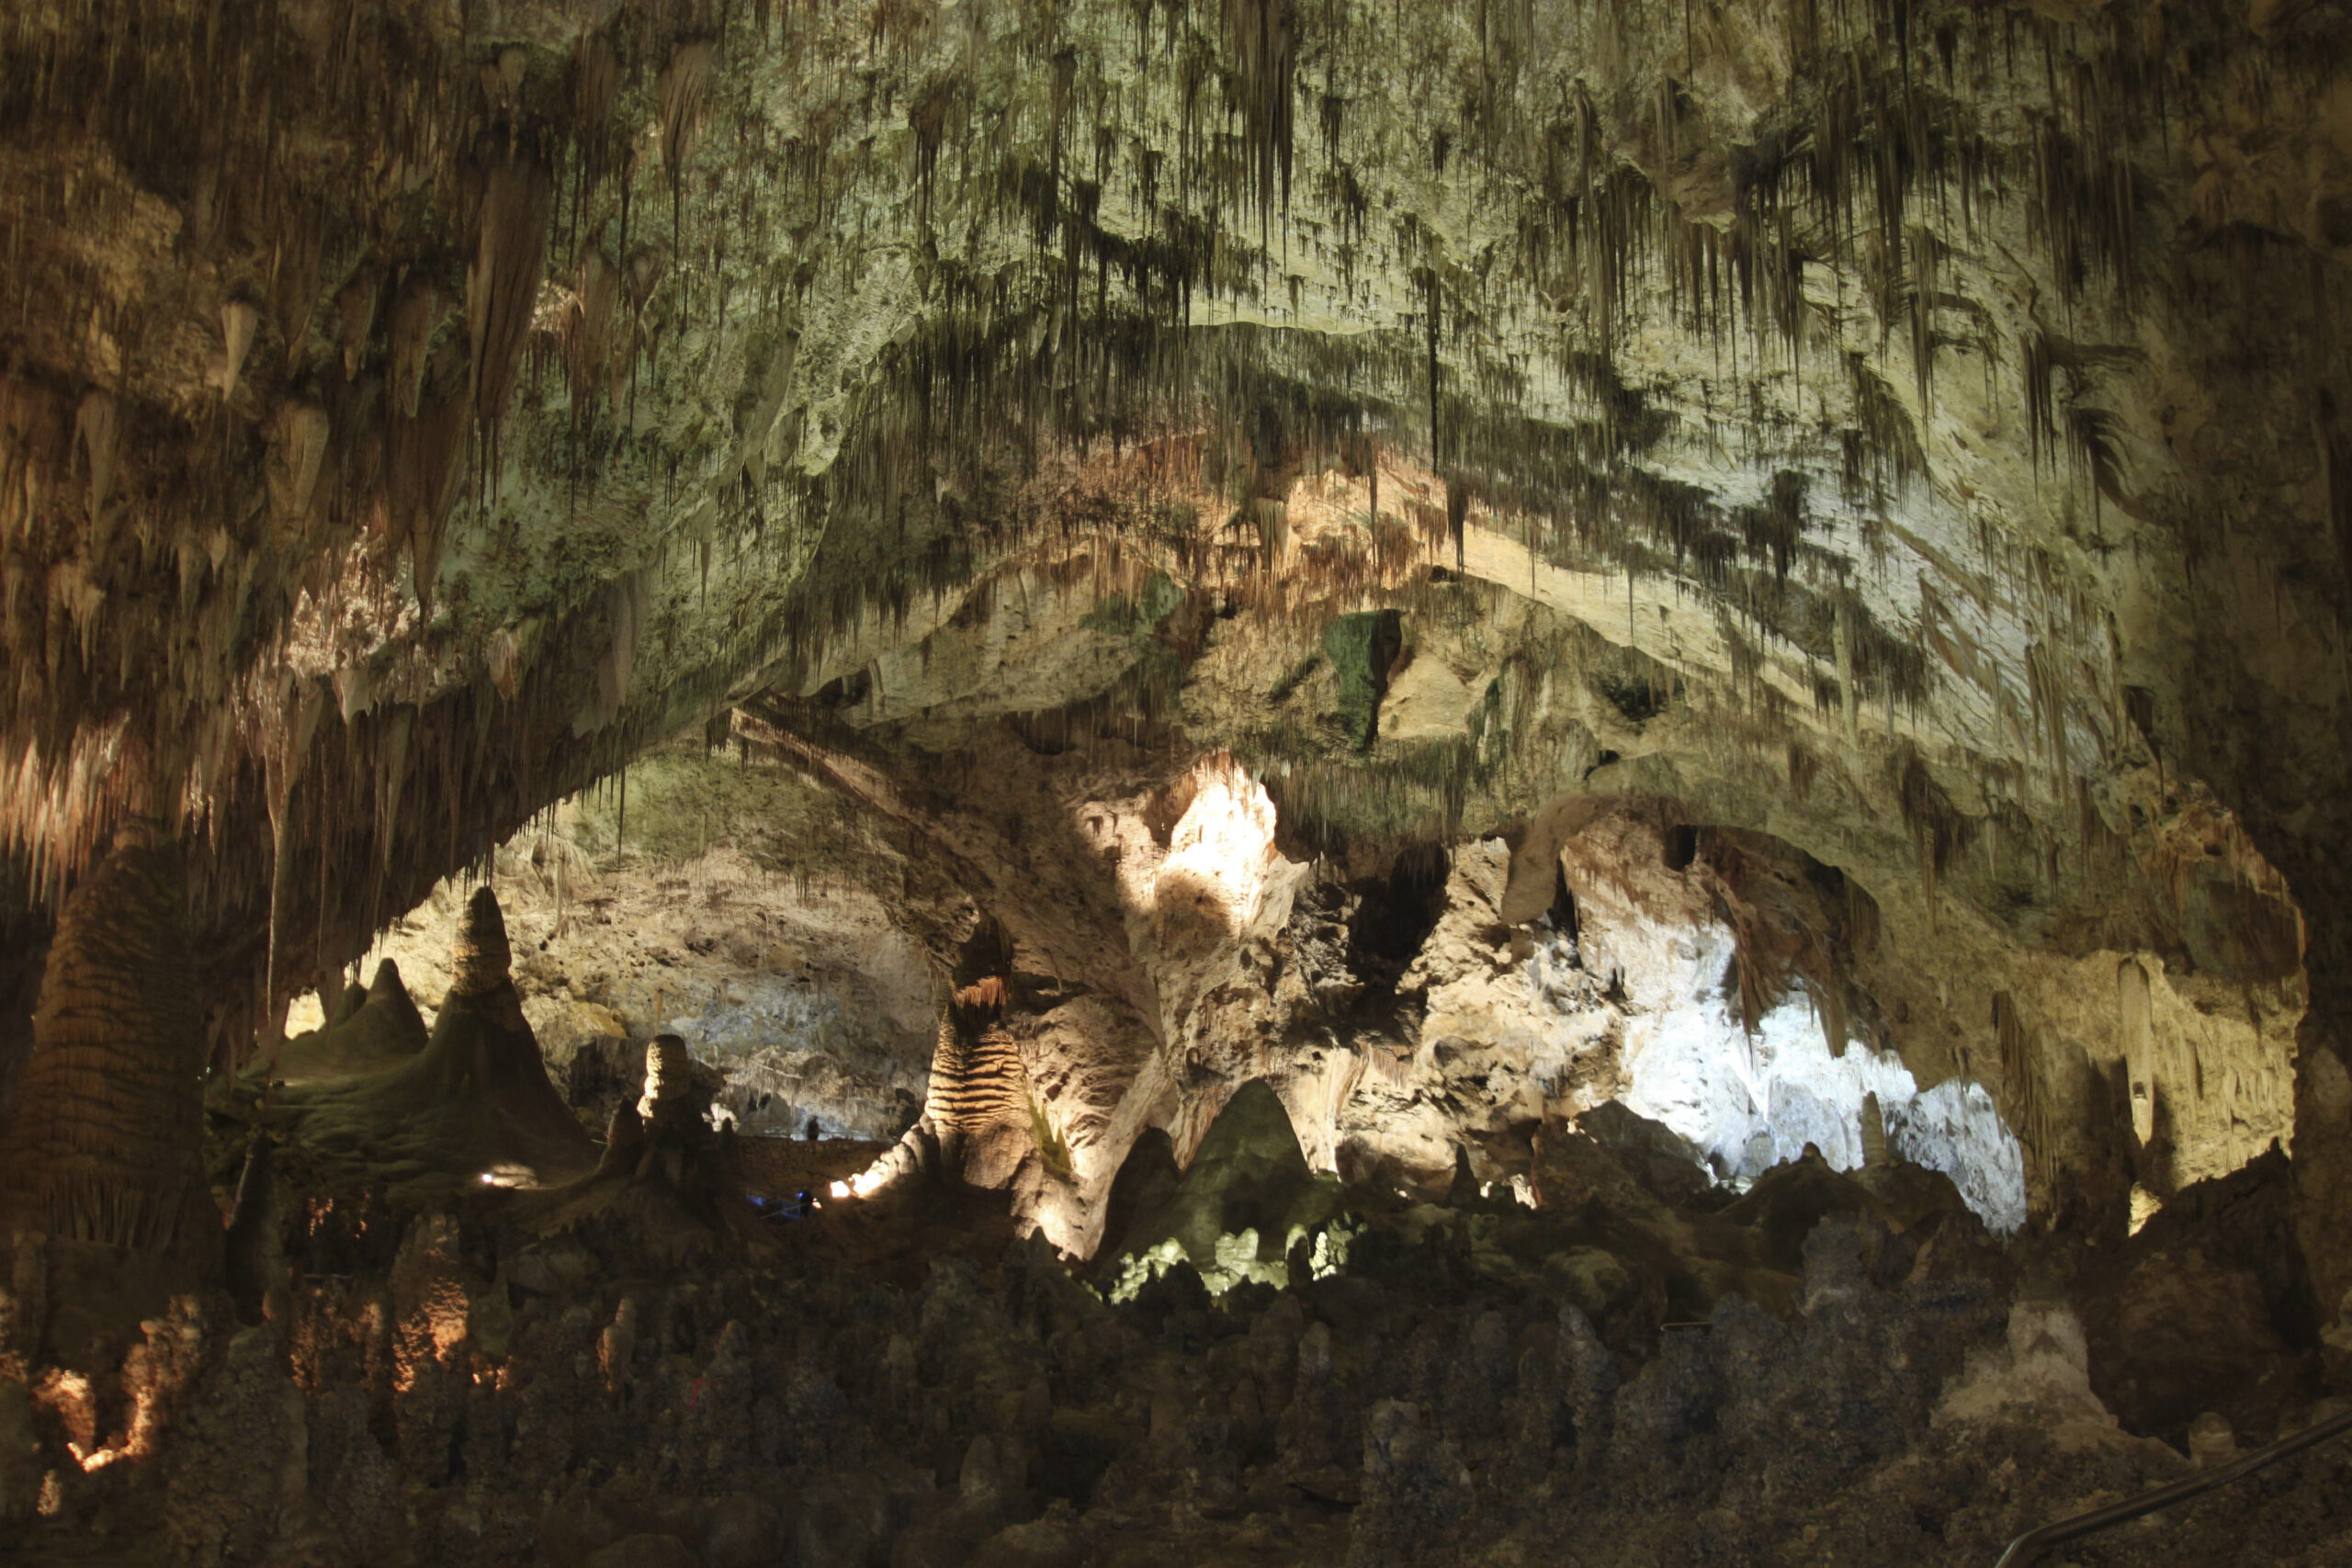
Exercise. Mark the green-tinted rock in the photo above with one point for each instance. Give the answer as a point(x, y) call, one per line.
point(1361, 647)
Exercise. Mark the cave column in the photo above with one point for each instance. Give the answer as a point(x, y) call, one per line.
point(101, 1151)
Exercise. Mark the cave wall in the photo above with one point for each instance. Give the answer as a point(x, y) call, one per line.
point(413, 410)
point(716, 899)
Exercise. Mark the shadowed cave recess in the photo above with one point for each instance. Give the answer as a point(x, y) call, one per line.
point(984, 783)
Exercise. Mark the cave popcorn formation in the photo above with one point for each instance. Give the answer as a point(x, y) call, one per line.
point(1292, 781)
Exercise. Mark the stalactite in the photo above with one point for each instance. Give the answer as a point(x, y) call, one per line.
point(2027, 1101)
point(298, 452)
point(1939, 829)
point(503, 283)
point(595, 89)
point(588, 330)
point(682, 93)
point(416, 316)
point(2135, 1024)
point(97, 430)
point(1003, 374)
point(238, 321)
point(1261, 38)
point(425, 464)
point(291, 721)
point(356, 305)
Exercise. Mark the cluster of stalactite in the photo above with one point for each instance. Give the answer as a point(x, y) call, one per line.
point(324, 824)
point(1880, 164)
point(456, 241)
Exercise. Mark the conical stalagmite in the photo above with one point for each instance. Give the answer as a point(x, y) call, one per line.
point(665, 1176)
point(481, 1043)
point(474, 1103)
point(1874, 1154)
point(378, 1028)
point(677, 1095)
point(102, 1140)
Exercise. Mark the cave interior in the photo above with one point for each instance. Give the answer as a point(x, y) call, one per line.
point(1028, 784)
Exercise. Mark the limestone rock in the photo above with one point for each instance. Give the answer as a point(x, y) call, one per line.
point(1245, 1197)
point(376, 1027)
point(1426, 703)
point(240, 1464)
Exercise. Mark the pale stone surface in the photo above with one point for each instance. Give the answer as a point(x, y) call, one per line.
point(1428, 702)
point(2040, 1376)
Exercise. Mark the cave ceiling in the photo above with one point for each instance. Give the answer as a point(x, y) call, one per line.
point(1911, 429)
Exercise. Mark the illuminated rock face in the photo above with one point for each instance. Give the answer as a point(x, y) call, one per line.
point(731, 906)
point(1246, 1202)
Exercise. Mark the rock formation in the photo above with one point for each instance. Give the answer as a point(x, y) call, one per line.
point(1603, 738)
point(101, 1138)
point(373, 1029)
point(474, 1105)
point(1244, 1208)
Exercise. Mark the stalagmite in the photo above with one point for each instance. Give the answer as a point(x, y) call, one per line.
point(675, 1094)
point(979, 1115)
point(103, 1131)
point(375, 1027)
point(1874, 1154)
point(474, 1105)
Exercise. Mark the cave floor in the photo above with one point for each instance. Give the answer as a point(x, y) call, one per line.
point(904, 1383)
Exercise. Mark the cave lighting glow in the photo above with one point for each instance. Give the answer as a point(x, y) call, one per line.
point(1750, 1102)
point(1224, 845)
